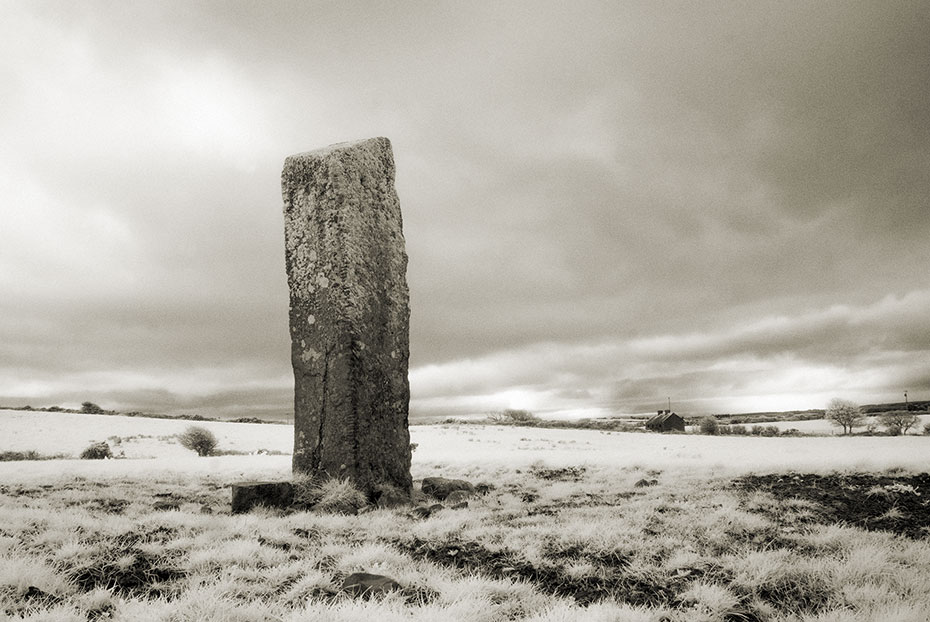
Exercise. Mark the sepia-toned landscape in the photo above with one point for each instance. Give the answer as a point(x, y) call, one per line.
point(566, 524)
point(464, 311)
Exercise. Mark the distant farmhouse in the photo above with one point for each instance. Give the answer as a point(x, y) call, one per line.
point(666, 421)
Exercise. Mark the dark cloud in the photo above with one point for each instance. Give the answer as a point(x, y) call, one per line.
point(728, 185)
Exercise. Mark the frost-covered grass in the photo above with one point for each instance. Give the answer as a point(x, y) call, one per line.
point(545, 544)
point(152, 447)
point(136, 437)
point(580, 525)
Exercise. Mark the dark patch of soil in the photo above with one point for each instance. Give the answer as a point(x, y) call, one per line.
point(110, 506)
point(161, 534)
point(21, 491)
point(281, 545)
point(127, 570)
point(529, 496)
point(566, 474)
point(805, 594)
point(419, 595)
point(578, 500)
point(473, 557)
point(40, 598)
point(136, 573)
point(899, 504)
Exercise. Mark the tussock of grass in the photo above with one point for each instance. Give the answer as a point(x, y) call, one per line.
point(334, 495)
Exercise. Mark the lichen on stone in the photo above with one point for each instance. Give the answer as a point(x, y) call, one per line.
point(349, 314)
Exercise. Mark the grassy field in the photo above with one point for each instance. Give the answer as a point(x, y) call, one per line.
point(579, 525)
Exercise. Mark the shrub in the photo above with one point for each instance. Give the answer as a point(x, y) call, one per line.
point(770, 430)
point(513, 416)
point(520, 415)
point(13, 456)
point(927, 428)
point(90, 408)
point(709, 425)
point(96, 451)
point(739, 429)
point(198, 439)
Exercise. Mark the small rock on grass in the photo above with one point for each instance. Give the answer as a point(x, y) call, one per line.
point(391, 497)
point(425, 511)
point(441, 487)
point(483, 488)
point(246, 495)
point(366, 585)
point(458, 496)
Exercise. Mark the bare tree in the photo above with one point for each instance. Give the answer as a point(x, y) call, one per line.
point(898, 421)
point(844, 413)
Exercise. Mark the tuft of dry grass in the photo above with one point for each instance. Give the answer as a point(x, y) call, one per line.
point(333, 495)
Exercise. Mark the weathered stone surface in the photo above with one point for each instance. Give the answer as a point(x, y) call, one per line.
point(440, 487)
point(247, 495)
point(387, 496)
point(366, 585)
point(349, 314)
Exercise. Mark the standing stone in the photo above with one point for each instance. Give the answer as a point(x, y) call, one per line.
point(349, 314)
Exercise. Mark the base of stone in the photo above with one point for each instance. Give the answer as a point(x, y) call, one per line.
point(247, 495)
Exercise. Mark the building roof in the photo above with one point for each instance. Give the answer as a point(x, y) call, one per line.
point(658, 420)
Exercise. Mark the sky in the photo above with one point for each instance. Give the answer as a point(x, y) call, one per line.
point(609, 207)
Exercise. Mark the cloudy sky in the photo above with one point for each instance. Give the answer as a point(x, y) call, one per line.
point(606, 204)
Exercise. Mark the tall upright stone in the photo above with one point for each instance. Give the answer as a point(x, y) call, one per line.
point(349, 314)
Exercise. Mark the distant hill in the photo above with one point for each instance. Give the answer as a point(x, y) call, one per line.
point(919, 406)
point(805, 415)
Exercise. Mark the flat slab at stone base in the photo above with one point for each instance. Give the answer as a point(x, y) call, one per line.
point(247, 495)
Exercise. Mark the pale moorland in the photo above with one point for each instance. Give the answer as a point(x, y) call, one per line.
point(578, 525)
